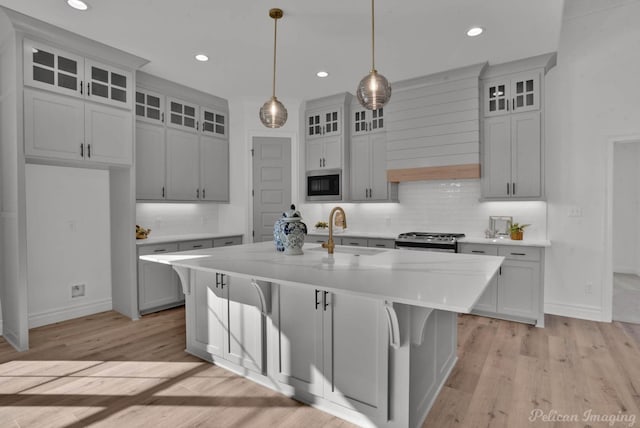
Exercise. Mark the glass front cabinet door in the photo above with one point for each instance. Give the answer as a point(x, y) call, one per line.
point(108, 85)
point(52, 69)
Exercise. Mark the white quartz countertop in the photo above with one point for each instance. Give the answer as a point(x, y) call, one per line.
point(447, 281)
point(183, 237)
point(505, 241)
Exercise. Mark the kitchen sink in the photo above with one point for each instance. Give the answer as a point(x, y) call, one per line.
point(356, 251)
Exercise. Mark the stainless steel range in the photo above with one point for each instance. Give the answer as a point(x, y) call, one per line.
point(426, 241)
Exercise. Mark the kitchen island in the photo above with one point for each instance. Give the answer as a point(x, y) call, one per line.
point(366, 334)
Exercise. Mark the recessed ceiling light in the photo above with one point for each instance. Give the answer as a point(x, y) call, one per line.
point(474, 31)
point(77, 4)
point(322, 74)
point(202, 57)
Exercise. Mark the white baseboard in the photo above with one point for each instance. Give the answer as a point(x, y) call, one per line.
point(587, 312)
point(70, 312)
point(628, 270)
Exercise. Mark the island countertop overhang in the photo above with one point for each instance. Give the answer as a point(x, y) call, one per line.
point(446, 281)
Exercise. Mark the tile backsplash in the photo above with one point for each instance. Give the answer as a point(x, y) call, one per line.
point(435, 206)
point(171, 219)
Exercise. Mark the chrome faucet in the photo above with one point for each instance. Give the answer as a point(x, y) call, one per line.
point(330, 245)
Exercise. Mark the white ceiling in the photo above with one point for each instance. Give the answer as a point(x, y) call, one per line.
point(413, 38)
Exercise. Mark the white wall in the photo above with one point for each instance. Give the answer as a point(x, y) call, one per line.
point(435, 206)
point(592, 98)
point(178, 218)
point(68, 242)
point(626, 202)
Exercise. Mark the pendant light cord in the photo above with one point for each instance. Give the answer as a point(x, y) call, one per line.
point(275, 38)
point(373, 39)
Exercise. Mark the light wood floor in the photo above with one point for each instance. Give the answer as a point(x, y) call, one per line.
point(107, 371)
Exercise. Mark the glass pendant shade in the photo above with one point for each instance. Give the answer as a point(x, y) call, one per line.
point(373, 91)
point(273, 114)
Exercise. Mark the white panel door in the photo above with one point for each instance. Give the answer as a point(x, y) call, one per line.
point(298, 341)
point(244, 336)
point(496, 169)
point(150, 161)
point(526, 155)
point(108, 134)
point(214, 169)
point(379, 187)
point(518, 289)
point(53, 125)
point(271, 184)
point(183, 173)
point(360, 167)
point(356, 353)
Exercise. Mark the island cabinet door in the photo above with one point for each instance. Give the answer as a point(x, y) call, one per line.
point(209, 311)
point(244, 335)
point(356, 354)
point(518, 288)
point(298, 341)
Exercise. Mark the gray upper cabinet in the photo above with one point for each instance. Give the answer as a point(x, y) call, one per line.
point(68, 108)
point(368, 166)
point(324, 122)
point(55, 70)
point(513, 129)
point(182, 151)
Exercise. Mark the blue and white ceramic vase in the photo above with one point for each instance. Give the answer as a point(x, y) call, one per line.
point(289, 232)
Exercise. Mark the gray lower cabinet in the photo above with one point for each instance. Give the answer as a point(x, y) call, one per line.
point(516, 292)
point(317, 353)
point(228, 321)
point(158, 285)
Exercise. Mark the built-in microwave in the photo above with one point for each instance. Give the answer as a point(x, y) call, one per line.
point(325, 185)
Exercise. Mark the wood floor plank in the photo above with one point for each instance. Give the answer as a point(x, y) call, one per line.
point(108, 371)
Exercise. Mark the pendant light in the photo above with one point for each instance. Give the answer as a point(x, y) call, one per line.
point(374, 90)
point(273, 114)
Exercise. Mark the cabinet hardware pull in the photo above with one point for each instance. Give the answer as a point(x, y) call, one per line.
point(228, 243)
point(518, 254)
point(197, 126)
point(81, 150)
point(380, 245)
point(81, 85)
point(197, 246)
point(197, 193)
point(500, 272)
point(320, 162)
point(513, 104)
point(162, 120)
point(163, 191)
point(88, 150)
point(222, 281)
point(203, 193)
point(161, 250)
point(513, 189)
point(217, 279)
point(88, 89)
point(324, 299)
point(508, 189)
point(317, 301)
point(477, 251)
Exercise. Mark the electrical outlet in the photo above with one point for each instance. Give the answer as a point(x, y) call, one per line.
point(588, 289)
point(574, 212)
point(77, 290)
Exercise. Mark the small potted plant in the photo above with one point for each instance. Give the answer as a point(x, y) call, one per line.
point(517, 231)
point(321, 225)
